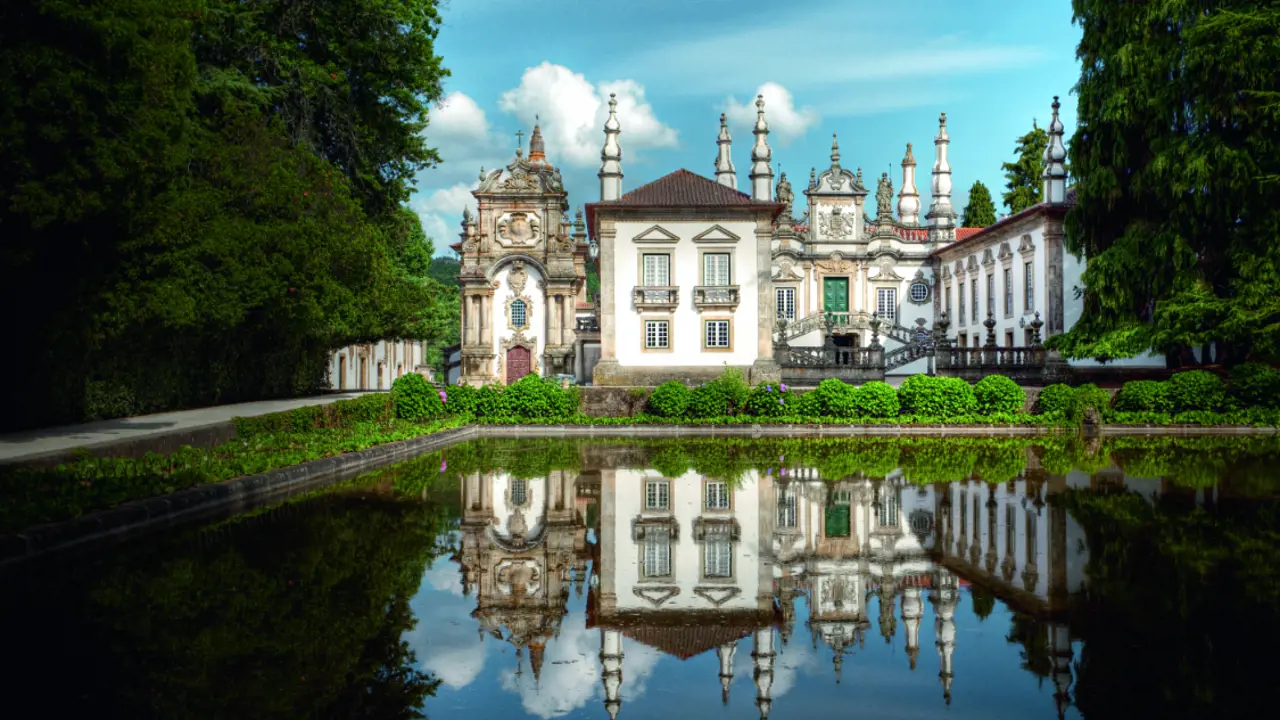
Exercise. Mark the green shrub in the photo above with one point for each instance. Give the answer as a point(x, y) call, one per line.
point(1144, 396)
point(461, 399)
point(489, 401)
point(770, 400)
point(726, 395)
point(1194, 390)
point(876, 399)
point(1255, 385)
point(1055, 399)
point(937, 397)
point(805, 405)
point(998, 394)
point(1088, 396)
point(669, 400)
point(415, 398)
point(833, 398)
point(534, 397)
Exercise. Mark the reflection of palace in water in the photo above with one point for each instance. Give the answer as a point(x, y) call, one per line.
point(688, 564)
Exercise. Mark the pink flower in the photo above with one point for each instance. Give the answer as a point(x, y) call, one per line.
point(444, 397)
point(444, 465)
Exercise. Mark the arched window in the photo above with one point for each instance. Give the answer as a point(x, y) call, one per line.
point(519, 314)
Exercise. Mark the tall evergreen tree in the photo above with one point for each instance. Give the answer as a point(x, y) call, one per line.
point(1177, 189)
point(981, 211)
point(1023, 187)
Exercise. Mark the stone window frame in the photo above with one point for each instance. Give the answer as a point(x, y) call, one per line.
point(919, 282)
point(876, 289)
point(1029, 287)
point(716, 512)
point(647, 318)
point(671, 266)
point(672, 550)
point(946, 299)
point(991, 293)
point(731, 578)
point(661, 512)
point(974, 298)
point(795, 299)
point(728, 321)
point(703, 252)
point(524, 312)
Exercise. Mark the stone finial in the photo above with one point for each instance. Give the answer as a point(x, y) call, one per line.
point(761, 173)
point(725, 173)
point(835, 151)
point(537, 149)
point(1055, 156)
point(908, 197)
point(611, 155)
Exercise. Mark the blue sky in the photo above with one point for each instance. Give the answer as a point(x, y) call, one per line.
point(876, 73)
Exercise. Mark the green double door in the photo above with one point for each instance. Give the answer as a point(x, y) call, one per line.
point(835, 294)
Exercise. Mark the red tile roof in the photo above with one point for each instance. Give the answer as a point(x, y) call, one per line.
point(684, 189)
point(964, 233)
point(1006, 221)
point(686, 642)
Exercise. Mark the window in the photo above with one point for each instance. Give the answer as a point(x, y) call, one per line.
point(887, 510)
point(519, 492)
point(656, 553)
point(1008, 338)
point(787, 509)
point(1029, 303)
point(919, 291)
point(715, 269)
point(1008, 291)
point(887, 304)
point(787, 303)
point(973, 288)
point(657, 495)
point(519, 314)
point(717, 334)
point(946, 291)
point(718, 558)
point(717, 496)
point(960, 295)
point(657, 271)
point(991, 294)
point(657, 334)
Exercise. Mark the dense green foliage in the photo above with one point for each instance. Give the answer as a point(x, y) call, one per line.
point(725, 395)
point(998, 394)
point(1255, 385)
point(1196, 390)
point(834, 398)
point(1144, 396)
point(940, 397)
point(669, 399)
point(217, 188)
point(981, 210)
point(1179, 189)
point(415, 398)
point(1054, 399)
point(295, 612)
point(770, 401)
point(878, 400)
point(1024, 186)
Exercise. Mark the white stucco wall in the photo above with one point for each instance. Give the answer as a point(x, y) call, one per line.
point(686, 506)
point(686, 272)
point(965, 326)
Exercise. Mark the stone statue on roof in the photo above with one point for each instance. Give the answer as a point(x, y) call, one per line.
point(784, 195)
point(884, 196)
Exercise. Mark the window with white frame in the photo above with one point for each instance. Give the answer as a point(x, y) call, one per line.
point(657, 334)
point(657, 270)
point(715, 269)
point(787, 508)
point(973, 297)
point(519, 492)
point(888, 510)
point(1028, 275)
point(717, 496)
point(717, 333)
point(887, 304)
point(1008, 291)
point(718, 558)
point(519, 314)
point(787, 303)
point(656, 553)
point(960, 297)
point(991, 294)
point(657, 495)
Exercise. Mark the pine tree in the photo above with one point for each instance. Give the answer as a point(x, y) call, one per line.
point(981, 211)
point(1177, 189)
point(1023, 188)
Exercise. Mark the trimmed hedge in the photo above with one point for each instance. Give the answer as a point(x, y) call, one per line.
point(670, 399)
point(940, 397)
point(877, 400)
point(416, 399)
point(998, 394)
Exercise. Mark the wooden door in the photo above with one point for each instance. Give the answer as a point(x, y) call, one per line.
point(518, 363)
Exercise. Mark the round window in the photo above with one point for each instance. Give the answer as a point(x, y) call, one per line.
point(919, 291)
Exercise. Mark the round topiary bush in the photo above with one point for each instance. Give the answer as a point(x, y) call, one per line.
point(877, 400)
point(535, 397)
point(1255, 385)
point(461, 400)
point(1055, 398)
point(415, 398)
point(669, 400)
point(997, 394)
point(937, 397)
point(1194, 390)
point(769, 400)
point(834, 398)
point(1144, 396)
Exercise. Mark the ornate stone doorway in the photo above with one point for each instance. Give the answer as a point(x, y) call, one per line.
point(519, 363)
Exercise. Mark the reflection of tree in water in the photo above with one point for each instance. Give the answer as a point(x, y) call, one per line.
point(296, 613)
point(1033, 636)
point(983, 601)
point(1181, 609)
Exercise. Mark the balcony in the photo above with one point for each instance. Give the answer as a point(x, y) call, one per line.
point(651, 297)
point(719, 297)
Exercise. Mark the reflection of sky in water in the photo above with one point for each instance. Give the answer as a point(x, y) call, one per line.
point(480, 678)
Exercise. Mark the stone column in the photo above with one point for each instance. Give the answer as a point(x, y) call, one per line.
point(765, 369)
point(553, 320)
point(1053, 322)
point(566, 326)
point(808, 291)
point(608, 370)
point(486, 320)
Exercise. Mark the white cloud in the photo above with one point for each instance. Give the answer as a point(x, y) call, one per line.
point(786, 121)
point(440, 211)
point(445, 639)
point(572, 112)
point(457, 118)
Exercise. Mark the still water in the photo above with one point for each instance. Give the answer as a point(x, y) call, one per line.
point(907, 578)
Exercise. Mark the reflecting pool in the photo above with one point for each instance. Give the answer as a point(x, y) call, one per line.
point(885, 578)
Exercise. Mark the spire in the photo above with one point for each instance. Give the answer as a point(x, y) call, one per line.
point(725, 653)
point(835, 152)
point(908, 198)
point(725, 174)
point(536, 652)
point(537, 150)
point(611, 676)
point(912, 609)
point(944, 600)
point(762, 654)
point(1055, 156)
point(611, 156)
point(941, 217)
point(761, 173)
